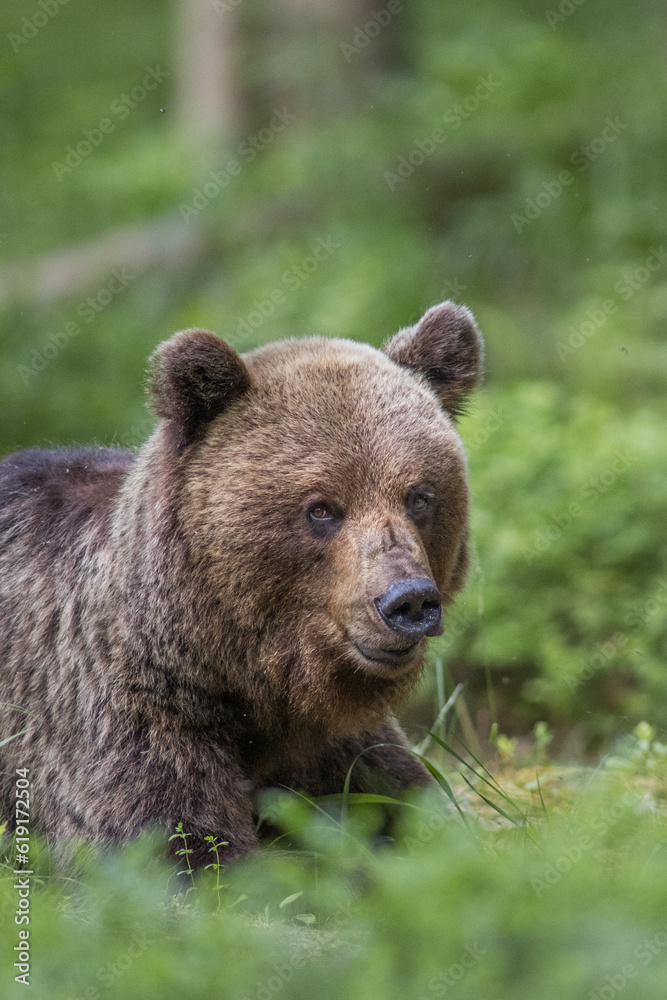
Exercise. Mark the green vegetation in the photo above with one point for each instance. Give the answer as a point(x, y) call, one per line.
point(551, 885)
point(568, 593)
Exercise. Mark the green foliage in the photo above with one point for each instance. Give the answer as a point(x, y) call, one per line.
point(567, 594)
point(566, 901)
point(641, 753)
point(445, 229)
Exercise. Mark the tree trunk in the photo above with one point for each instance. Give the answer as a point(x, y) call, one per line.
point(304, 59)
point(208, 95)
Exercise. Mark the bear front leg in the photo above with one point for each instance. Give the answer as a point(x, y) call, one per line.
point(210, 797)
point(389, 769)
point(167, 779)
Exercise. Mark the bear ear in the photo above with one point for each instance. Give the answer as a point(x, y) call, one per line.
point(447, 349)
point(192, 378)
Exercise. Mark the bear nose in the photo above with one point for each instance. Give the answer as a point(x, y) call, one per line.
point(411, 607)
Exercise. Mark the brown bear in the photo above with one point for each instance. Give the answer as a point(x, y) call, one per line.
point(244, 602)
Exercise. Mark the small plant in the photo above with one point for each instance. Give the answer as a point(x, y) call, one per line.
point(185, 852)
point(543, 737)
point(514, 755)
point(217, 864)
point(642, 753)
point(506, 747)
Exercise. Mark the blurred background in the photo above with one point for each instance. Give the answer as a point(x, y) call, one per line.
point(335, 167)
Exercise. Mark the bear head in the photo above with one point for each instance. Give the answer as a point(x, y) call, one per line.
point(323, 499)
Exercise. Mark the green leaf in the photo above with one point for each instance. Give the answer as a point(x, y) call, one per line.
point(290, 899)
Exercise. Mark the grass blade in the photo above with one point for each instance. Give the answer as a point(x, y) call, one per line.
point(493, 805)
point(8, 739)
point(444, 784)
point(361, 797)
point(490, 780)
point(441, 716)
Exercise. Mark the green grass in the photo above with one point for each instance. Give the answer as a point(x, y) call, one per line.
point(549, 882)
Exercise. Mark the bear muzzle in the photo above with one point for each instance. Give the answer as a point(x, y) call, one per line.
point(412, 610)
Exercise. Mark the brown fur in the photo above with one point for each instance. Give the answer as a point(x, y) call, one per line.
point(182, 628)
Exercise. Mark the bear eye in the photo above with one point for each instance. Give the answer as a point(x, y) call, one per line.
point(320, 512)
point(324, 518)
point(419, 503)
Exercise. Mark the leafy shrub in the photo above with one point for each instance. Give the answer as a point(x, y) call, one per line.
point(487, 909)
point(568, 589)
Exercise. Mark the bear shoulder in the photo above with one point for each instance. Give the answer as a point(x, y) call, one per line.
point(54, 492)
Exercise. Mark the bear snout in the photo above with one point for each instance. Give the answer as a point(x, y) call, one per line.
point(412, 608)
